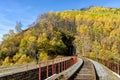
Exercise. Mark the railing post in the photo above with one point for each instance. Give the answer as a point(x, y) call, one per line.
point(53, 67)
point(118, 68)
point(47, 69)
point(67, 63)
point(70, 62)
point(26, 67)
point(75, 59)
point(39, 71)
point(61, 65)
point(64, 65)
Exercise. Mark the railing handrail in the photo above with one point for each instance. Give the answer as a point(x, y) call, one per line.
point(29, 66)
point(114, 66)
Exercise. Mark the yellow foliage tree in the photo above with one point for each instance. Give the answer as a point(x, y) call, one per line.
point(92, 55)
point(43, 56)
point(7, 62)
point(23, 59)
point(17, 57)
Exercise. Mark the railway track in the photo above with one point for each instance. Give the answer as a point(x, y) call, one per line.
point(85, 72)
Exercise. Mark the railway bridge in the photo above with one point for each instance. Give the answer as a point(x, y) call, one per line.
point(64, 68)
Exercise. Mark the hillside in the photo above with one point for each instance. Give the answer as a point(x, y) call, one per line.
point(95, 31)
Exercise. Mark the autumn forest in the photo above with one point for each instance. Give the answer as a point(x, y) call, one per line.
point(93, 31)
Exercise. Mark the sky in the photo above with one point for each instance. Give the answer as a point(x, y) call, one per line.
point(27, 11)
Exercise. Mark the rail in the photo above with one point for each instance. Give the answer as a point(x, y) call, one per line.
point(85, 72)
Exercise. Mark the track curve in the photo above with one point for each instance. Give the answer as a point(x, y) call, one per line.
point(85, 72)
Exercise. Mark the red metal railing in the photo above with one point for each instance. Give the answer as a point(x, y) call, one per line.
point(114, 66)
point(50, 69)
point(42, 71)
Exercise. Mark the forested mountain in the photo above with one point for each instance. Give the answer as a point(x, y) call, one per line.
point(95, 31)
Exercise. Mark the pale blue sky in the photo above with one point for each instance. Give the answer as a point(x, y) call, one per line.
point(27, 11)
